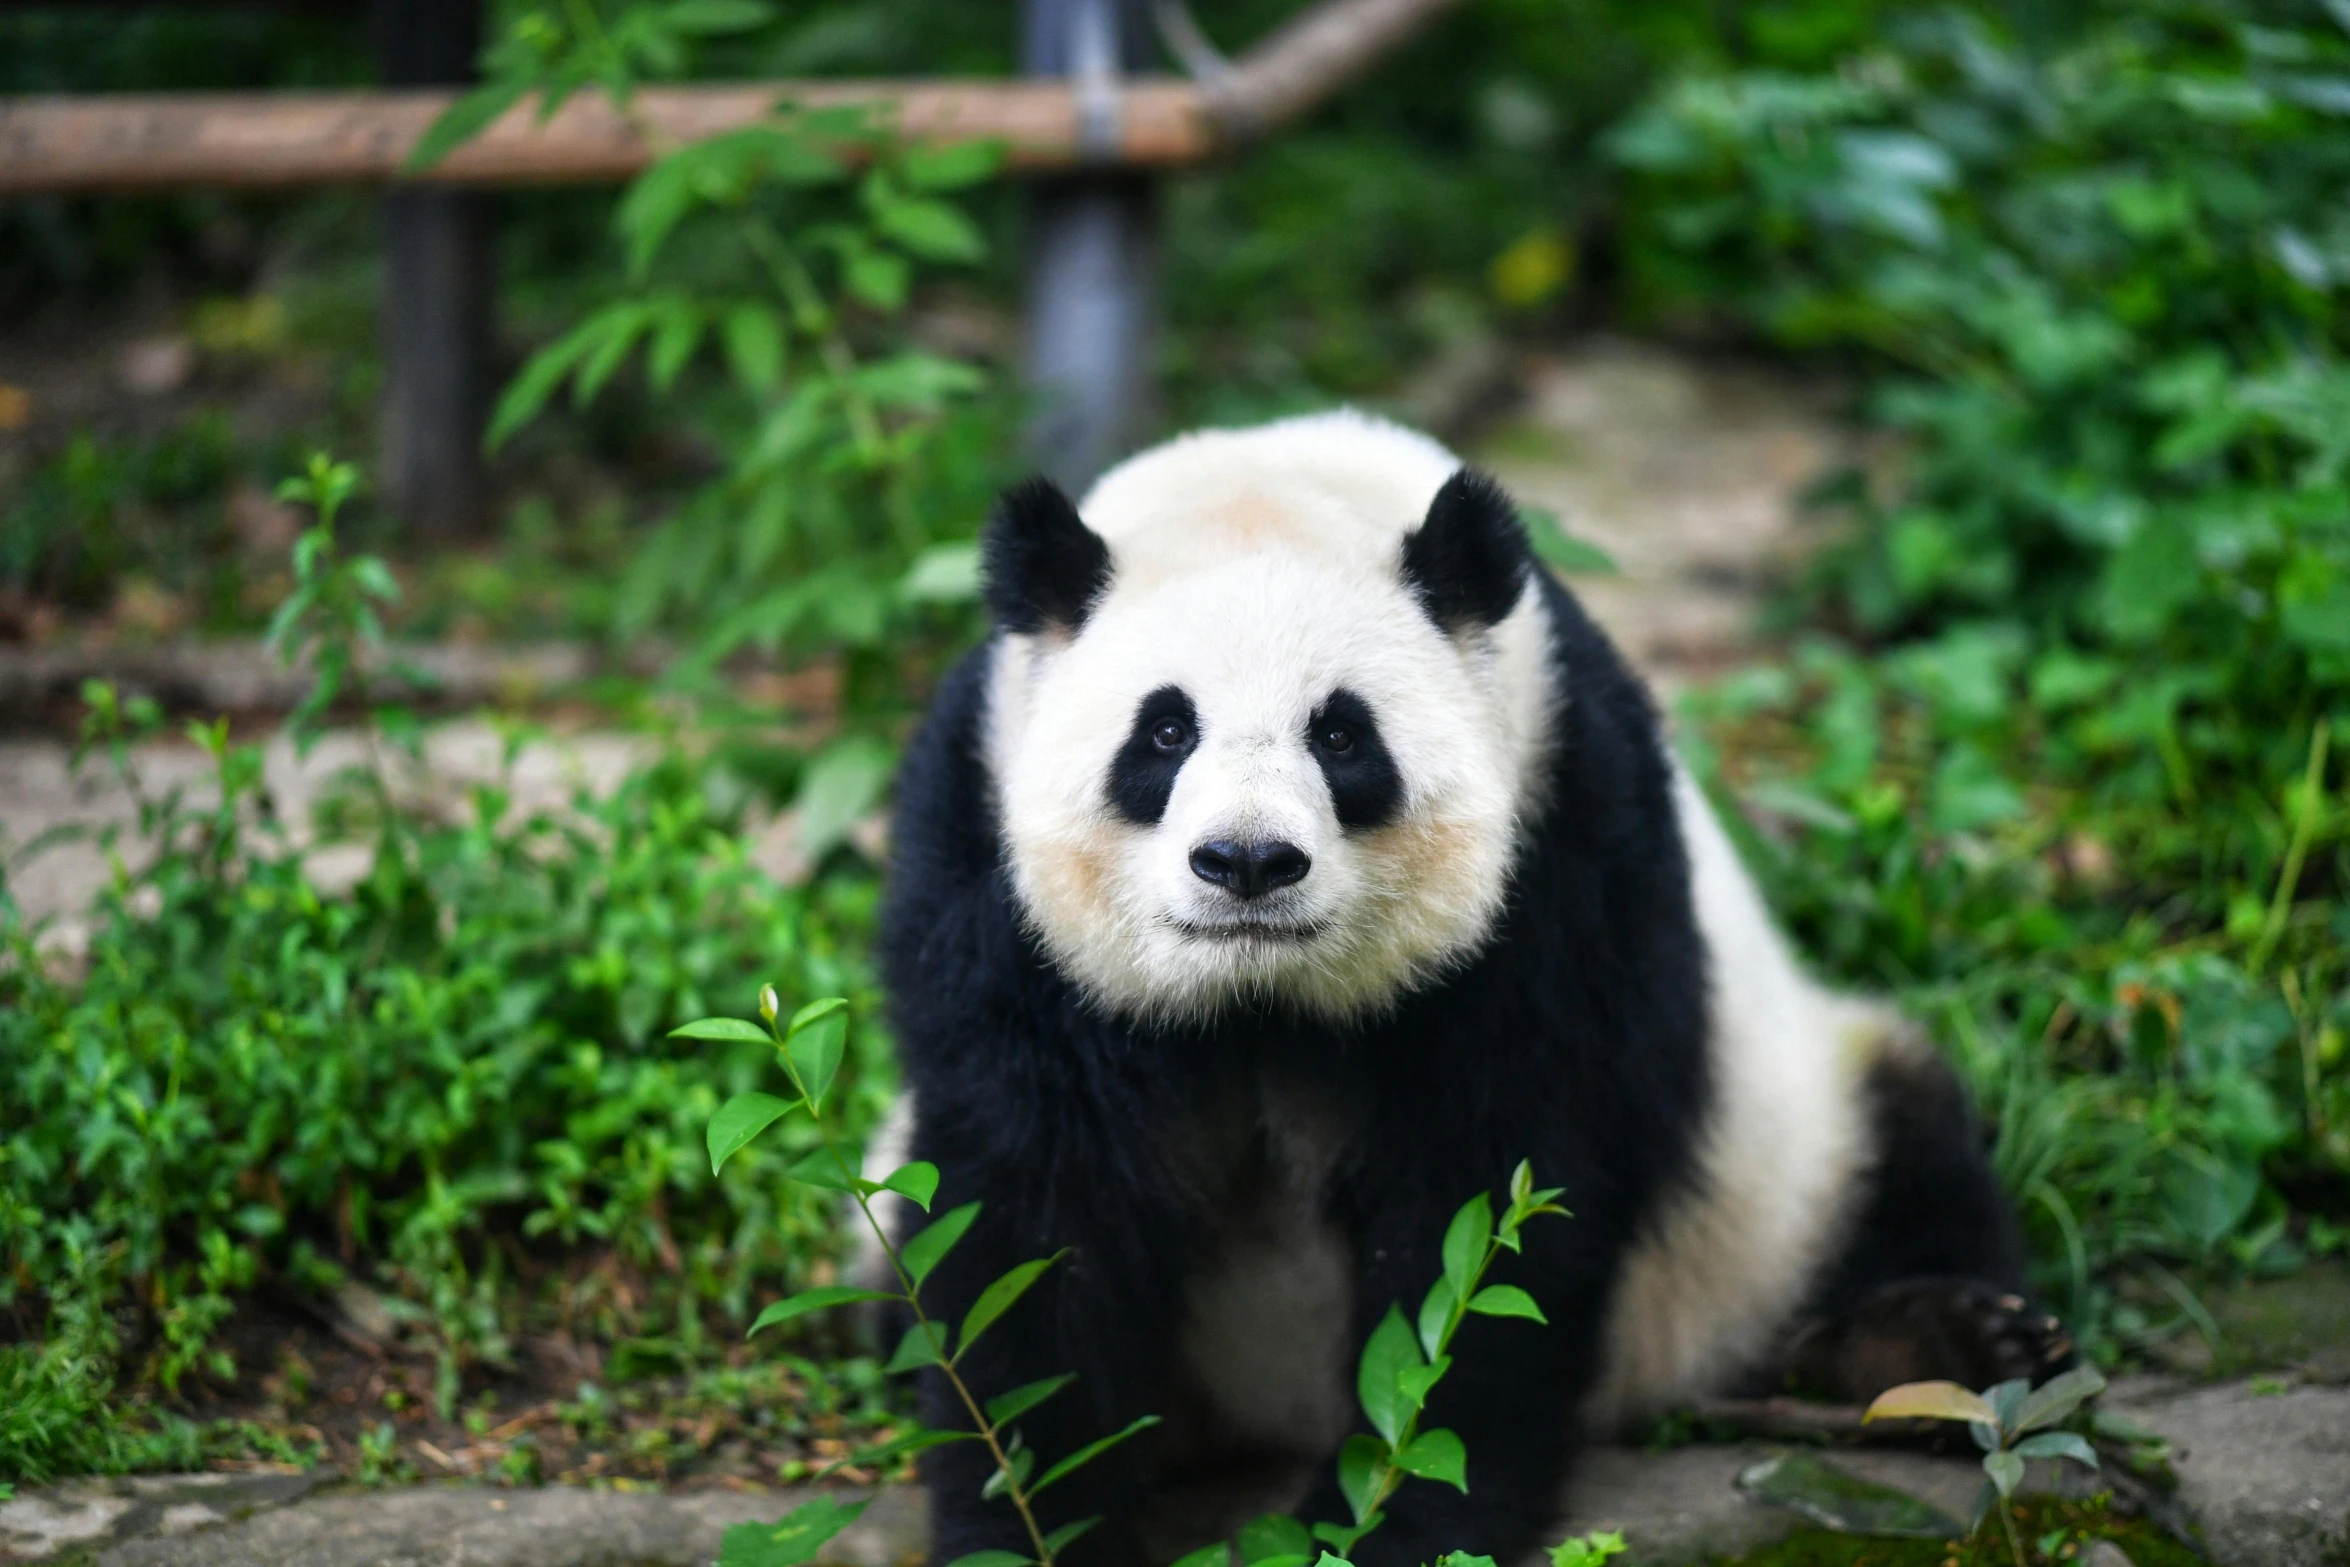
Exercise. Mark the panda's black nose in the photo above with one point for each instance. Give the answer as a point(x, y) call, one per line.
point(1250, 870)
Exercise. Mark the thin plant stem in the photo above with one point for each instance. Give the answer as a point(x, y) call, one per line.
point(923, 1323)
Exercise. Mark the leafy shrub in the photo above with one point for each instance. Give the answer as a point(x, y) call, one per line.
point(2071, 777)
point(457, 1072)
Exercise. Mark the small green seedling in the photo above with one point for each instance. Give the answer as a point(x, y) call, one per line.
point(1587, 1550)
point(2003, 1421)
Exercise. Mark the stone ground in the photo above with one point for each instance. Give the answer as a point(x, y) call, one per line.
point(1686, 473)
point(2262, 1467)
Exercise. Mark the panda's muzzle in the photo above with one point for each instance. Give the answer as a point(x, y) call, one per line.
point(1250, 869)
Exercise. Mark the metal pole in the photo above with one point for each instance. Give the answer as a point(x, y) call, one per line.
point(437, 285)
point(1093, 241)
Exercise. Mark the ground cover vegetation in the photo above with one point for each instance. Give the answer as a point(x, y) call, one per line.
point(2056, 753)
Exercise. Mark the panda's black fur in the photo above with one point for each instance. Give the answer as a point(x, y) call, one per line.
point(1574, 1038)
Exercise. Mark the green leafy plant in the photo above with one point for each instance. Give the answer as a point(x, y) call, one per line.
point(2010, 1423)
point(421, 1080)
point(784, 254)
point(809, 1047)
point(2057, 759)
point(1401, 1364)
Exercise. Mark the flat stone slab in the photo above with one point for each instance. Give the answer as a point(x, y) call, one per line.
point(555, 1526)
point(2264, 1468)
point(80, 1514)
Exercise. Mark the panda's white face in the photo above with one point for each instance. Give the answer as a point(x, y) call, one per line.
point(1257, 768)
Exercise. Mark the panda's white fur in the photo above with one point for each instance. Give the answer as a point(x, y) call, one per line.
point(1257, 567)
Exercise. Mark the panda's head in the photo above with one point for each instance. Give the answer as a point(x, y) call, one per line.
point(1265, 717)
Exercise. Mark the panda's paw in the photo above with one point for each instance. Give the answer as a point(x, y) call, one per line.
point(1936, 1329)
point(1999, 1337)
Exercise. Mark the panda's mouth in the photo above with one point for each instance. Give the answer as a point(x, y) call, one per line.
point(1252, 930)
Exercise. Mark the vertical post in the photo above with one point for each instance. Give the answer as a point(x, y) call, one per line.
point(437, 283)
point(1093, 240)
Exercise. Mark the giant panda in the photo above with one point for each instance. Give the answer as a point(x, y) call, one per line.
point(1293, 859)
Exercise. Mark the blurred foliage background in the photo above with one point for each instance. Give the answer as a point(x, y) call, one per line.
point(2053, 746)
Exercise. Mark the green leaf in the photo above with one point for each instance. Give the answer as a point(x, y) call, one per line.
point(817, 1299)
point(815, 1051)
point(616, 329)
point(819, 1167)
point(2058, 1397)
point(1059, 1540)
point(731, 1028)
point(1005, 1408)
point(1019, 1462)
point(528, 392)
point(943, 574)
point(1555, 547)
point(739, 1120)
point(1412, 1384)
point(932, 230)
point(1217, 1555)
point(1506, 1300)
point(1465, 1243)
point(753, 337)
point(1275, 1534)
point(1089, 1452)
point(923, 1345)
point(951, 167)
point(472, 113)
point(1436, 1455)
point(794, 1539)
point(1359, 1462)
point(2057, 1444)
point(2005, 1470)
point(878, 278)
point(844, 781)
point(999, 1297)
point(928, 1248)
point(901, 1446)
point(1435, 1312)
point(990, 1559)
point(916, 1182)
point(1390, 1352)
point(674, 342)
point(814, 1012)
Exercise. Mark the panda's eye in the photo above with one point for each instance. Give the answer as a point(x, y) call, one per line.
point(1170, 734)
point(1337, 739)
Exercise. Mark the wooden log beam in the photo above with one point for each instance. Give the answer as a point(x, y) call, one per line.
point(134, 141)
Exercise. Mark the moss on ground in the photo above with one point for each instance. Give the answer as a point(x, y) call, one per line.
point(2055, 1533)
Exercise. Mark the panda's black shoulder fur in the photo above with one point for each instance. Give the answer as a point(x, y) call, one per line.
point(1575, 1039)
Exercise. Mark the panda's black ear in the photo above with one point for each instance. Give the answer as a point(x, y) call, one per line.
point(1042, 565)
point(1467, 562)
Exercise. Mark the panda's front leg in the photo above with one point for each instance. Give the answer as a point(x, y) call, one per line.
point(1510, 1395)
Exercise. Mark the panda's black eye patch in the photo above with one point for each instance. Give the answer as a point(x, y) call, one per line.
point(1165, 733)
point(1365, 786)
